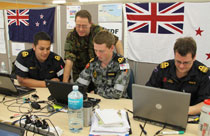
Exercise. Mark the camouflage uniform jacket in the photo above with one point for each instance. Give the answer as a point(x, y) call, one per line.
point(27, 65)
point(110, 82)
point(80, 49)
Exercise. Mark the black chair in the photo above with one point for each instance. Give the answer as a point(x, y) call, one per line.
point(131, 81)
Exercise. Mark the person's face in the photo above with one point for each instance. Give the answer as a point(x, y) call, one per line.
point(103, 53)
point(42, 50)
point(82, 26)
point(183, 63)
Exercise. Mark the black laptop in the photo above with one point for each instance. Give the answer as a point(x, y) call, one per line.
point(59, 91)
point(11, 130)
point(8, 87)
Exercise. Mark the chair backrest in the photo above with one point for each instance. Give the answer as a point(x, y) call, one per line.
point(131, 81)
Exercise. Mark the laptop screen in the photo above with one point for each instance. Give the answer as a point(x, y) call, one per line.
point(7, 86)
point(60, 90)
point(10, 130)
point(161, 106)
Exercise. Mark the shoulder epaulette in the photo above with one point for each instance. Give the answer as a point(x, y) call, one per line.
point(119, 59)
point(91, 60)
point(203, 69)
point(25, 53)
point(164, 65)
point(58, 58)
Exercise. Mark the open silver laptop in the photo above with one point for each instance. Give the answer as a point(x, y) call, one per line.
point(161, 106)
point(8, 87)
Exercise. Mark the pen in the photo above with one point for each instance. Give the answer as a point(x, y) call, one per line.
point(171, 132)
point(129, 110)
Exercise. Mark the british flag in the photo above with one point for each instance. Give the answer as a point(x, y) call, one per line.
point(18, 16)
point(155, 18)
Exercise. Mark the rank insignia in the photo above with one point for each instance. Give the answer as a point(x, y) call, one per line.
point(94, 74)
point(51, 72)
point(25, 53)
point(203, 69)
point(32, 67)
point(57, 58)
point(170, 81)
point(120, 60)
point(164, 65)
point(111, 74)
point(91, 60)
point(192, 82)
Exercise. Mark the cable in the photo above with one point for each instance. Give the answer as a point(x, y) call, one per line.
point(3, 99)
point(158, 132)
point(53, 127)
point(142, 129)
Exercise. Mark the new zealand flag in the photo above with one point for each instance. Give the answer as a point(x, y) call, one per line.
point(24, 23)
point(156, 18)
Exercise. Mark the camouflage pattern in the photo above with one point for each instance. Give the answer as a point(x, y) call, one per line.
point(110, 82)
point(80, 49)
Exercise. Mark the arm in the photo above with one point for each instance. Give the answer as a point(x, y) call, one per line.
point(195, 109)
point(67, 70)
point(119, 48)
point(155, 78)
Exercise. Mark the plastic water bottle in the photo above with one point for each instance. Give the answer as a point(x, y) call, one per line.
point(204, 124)
point(75, 110)
point(3, 68)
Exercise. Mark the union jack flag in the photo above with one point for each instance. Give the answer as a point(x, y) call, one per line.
point(156, 18)
point(18, 16)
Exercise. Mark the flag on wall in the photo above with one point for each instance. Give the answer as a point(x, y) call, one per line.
point(152, 29)
point(24, 23)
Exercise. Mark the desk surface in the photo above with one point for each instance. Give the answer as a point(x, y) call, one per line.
point(61, 119)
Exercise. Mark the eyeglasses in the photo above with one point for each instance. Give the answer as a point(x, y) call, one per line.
point(81, 26)
point(184, 63)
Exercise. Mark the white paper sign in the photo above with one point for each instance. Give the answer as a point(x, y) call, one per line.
point(17, 47)
point(115, 28)
point(2, 42)
point(1, 19)
point(70, 14)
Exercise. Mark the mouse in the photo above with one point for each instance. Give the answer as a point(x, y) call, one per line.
point(35, 105)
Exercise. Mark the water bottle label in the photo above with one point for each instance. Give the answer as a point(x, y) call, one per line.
point(75, 103)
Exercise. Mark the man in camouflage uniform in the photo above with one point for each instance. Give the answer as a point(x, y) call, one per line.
point(79, 45)
point(184, 74)
point(108, 71)
point(34, 65)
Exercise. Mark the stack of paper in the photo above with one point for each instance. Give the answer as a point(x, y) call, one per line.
point(109, 122)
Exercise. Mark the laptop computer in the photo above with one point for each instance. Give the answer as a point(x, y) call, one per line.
point(11, 130)
point(161, 106)
point(8, 87)
point(59, 91)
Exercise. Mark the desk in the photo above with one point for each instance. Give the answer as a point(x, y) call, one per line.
point(61, 119)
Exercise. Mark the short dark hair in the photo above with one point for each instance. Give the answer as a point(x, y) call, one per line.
point(185, 45)
point(84, 14)
point(41, 36)
point(104, 37)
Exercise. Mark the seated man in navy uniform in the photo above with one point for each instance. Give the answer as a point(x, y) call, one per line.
point(184, 74)
point(34, 65)
point(108, 71)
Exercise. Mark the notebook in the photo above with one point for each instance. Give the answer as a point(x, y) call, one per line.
point(59, 91)
point(8, 87)
point(161, 106)
point(11, 130)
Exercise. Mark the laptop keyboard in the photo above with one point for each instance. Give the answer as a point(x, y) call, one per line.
point(20, 88)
